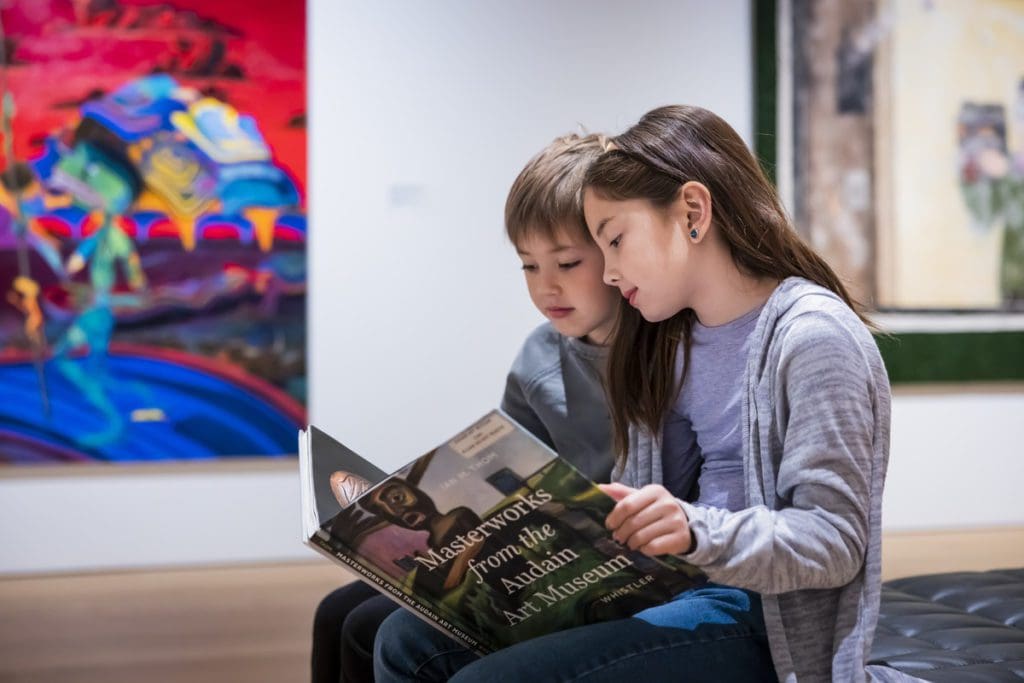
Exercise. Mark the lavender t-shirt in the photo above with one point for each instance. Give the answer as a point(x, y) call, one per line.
point(703, 437)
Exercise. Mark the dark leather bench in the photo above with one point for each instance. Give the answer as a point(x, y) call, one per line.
point(961, 626)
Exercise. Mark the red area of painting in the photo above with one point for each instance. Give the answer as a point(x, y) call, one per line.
point(255, 50)
point(221, 231)
point(287, 234)
point(128, 226)
point(57, 227)
point(162, 227)
point(58, 296)
point(89, 225)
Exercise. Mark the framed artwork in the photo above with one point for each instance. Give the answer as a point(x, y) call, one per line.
point(950, 150)
point(152, 230)
point(895, 132)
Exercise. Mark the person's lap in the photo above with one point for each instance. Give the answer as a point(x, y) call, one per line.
point(357, 637)
point(713, 634)
point(334, 608)
point(344, 628)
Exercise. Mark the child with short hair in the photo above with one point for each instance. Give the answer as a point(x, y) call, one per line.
point(554, 387)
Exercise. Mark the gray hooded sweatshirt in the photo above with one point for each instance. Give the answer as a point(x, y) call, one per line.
point(816, 443)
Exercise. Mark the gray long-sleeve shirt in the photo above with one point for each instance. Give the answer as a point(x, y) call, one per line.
point(554, 389)
point(815, 419)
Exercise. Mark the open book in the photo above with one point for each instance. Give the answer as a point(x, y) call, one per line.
point(491, 536)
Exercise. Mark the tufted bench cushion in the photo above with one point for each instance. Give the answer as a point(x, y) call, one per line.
point(961, 626)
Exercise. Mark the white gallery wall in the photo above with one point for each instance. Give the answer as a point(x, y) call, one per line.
point(421, 115)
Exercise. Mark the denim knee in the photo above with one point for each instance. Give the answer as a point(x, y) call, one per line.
point(408, 649)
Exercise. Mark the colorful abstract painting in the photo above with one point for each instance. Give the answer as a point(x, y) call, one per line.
point(152, 229)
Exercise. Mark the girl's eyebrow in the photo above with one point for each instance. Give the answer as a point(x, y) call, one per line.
point(600, 226)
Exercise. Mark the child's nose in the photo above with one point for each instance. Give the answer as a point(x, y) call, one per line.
point(551, 284)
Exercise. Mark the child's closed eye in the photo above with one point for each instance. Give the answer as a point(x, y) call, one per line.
point(570, 265)
point(529, 267)
point(614, 244)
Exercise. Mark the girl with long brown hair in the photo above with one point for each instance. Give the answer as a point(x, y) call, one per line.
point(741, 361)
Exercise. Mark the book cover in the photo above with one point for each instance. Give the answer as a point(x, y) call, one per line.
point(491, 536)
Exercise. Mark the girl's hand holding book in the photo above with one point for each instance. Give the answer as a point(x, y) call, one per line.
point(648, 519)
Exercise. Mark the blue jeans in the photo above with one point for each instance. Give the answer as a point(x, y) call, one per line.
point(713, 633)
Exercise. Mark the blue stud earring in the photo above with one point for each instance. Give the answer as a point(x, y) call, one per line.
point(693, 234)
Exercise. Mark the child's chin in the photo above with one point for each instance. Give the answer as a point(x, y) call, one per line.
point(654, 316)
point(567, 330)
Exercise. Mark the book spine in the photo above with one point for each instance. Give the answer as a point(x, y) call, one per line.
point(406, 600)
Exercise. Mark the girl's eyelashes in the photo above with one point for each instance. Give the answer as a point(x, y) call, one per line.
point(529, 267)
point(614, 244)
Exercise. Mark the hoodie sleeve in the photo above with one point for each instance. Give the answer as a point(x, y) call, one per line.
point(515, 403)
point(538, 359)
point(813, 535)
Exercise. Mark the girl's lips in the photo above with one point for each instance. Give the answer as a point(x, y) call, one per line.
point(631, 296)
point(559, 312)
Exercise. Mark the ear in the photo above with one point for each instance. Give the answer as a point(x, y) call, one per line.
point(694, 203)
